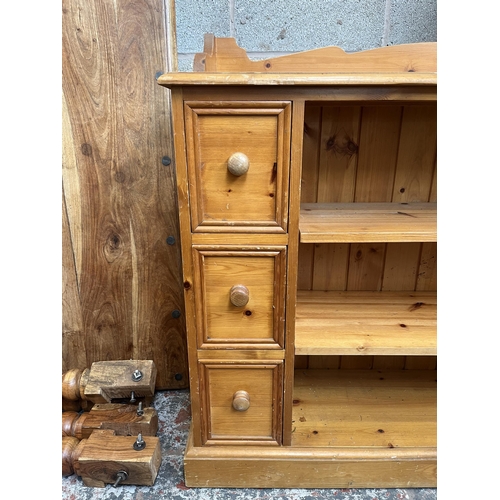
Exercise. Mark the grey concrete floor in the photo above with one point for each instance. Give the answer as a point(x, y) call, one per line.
point(174, 419)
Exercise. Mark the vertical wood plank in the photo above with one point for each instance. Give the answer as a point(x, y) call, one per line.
point(401, 264)
point(311, 153)
point(72, 326)
point(121, 198)
point(330, 266)
point(306, 265)
point(309, 186)
point(427, 270)
point(338, 154)
point(377, 156)
point(292, 264)
point(366, 264)
point(416, 154)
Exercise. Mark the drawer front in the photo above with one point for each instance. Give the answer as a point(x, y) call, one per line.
point(240, 297)
point(241, 403)
point(238, 163)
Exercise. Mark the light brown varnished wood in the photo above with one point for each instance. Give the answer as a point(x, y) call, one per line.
point(309, 467)
point(357, 140)
point(257, 324)
point(223, 55)
point(187, 258)
point(365, 408)
point(364, 323)
point(255, 201)
point(124, 419)
point(368, 222)
point(261, 422)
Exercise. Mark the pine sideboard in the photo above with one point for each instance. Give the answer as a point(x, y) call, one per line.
point(308, 213)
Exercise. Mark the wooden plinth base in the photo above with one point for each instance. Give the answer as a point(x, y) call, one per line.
point(301, 467)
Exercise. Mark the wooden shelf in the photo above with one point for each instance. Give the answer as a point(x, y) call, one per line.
point(368, 222)
point(364, 323)
point(365, 408)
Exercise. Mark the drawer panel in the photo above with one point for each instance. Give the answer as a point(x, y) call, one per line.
point(240, 297)
point(241, 403)
point(238, 162)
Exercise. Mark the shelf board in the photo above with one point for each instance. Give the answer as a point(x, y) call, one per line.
point(367, 222)
point(365, 323)
point(365, 408)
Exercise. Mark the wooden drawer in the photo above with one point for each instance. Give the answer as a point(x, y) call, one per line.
point(241, 403)
point(240, 297)
point(255, 200)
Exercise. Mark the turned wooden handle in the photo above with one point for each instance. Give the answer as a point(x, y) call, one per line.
point(74, 383)
point(238, 164)
point(71, 450)
point(239, 295)
point(241, 400)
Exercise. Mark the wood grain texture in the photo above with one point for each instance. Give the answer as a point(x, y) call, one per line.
point(122, 280)
point(364, 323)
point(309, 467)
point(224, 55)
point(103, 454)
point(262, 422)
point(368, 222)
point(365, 408)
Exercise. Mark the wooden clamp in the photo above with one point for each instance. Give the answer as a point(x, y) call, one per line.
point(110, 382)
point(105, 458)
point(124, 419)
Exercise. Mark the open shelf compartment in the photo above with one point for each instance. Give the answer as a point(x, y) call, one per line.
point(365, 408)
point(365, 322)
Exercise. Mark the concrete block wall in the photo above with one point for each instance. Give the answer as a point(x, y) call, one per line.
point(269, 28)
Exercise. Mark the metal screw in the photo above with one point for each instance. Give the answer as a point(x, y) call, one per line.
point(140, 444)
point(137, 375)
point(121, 475)
point(132, 397)
point(176, 314)
point(170, 240)
point(140, 411)
point(166, 161)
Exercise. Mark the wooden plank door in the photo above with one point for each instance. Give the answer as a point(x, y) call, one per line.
point(122, 284)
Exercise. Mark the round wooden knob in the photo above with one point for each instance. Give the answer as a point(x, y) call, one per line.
point(238, 164)
point(241, 400)
point(239, 295)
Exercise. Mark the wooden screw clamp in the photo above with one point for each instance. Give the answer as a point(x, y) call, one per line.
point(125, 420)
point(110, 381)
point(105, 458)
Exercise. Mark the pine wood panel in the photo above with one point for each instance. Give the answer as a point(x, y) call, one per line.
point(338, 153)
point(309, 467)
point(261, 422)
point(416, 154)
point(367, 222)
point(377, 155)
point(222, 201)
point(395, 165)
point(366, 408)
point(220, 322)
point(224, 55)
point(120, 199)
point(366, 323)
